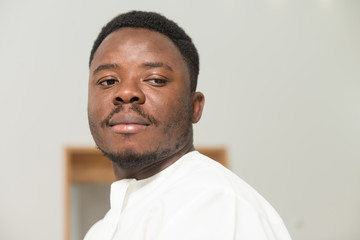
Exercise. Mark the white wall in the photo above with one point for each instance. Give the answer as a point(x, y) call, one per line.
point(282, 86)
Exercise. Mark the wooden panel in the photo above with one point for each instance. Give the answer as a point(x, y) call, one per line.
point(218, 154)
point(91, 167)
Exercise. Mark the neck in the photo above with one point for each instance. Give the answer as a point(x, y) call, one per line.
point(153, 168)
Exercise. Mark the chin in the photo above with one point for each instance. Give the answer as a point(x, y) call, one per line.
point(132, 160)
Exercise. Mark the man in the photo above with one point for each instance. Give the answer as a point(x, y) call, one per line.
point(142, 104)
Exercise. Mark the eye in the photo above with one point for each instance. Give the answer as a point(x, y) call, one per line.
point(158, 82)
point(107, 82)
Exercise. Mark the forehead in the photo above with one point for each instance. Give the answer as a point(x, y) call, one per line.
point(138, 43)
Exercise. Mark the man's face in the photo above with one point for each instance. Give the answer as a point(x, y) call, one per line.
point(140, 106)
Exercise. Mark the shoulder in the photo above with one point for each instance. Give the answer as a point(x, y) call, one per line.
point(198, 171)
point(197, 178)
point(207, 189)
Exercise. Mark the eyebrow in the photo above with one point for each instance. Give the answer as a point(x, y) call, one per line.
point(157, 65)
point(146, 64)
point(105, 67)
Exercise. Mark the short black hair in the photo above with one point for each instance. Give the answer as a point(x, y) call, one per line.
point(158, 23)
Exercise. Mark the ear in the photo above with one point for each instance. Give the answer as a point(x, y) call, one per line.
point(198, 101)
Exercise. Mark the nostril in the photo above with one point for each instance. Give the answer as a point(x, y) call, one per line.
point(134, 99)
point(118, 99)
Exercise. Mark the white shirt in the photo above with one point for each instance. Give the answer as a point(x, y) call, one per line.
point(195, 198)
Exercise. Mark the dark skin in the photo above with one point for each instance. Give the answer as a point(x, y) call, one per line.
point(142, 69)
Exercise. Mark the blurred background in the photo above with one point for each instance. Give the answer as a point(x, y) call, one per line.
point(282, 86)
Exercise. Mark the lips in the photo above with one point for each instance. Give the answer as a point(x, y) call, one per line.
point(127, 123)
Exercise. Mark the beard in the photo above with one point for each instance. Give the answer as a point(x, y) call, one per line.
point(131, 160)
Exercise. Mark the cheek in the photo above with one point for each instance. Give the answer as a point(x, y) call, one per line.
point(176, 112)
point(93, 111)
point(97, 106)
point(162, 106)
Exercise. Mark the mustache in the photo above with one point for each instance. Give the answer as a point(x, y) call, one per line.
point(133, 108)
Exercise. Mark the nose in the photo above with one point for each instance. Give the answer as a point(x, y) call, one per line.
point(128, 92)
